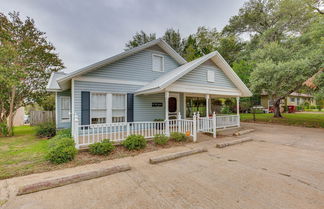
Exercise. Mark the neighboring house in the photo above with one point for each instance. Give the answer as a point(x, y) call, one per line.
point(19, 117)
point(292, 101)
point(145, 83)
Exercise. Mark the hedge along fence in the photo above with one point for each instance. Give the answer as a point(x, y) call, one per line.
point(39, 117)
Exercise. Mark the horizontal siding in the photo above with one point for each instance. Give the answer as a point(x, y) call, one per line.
point(59, 123)
point(137, 67)
point(80, 86)
point(143, 110)
point(199, 76)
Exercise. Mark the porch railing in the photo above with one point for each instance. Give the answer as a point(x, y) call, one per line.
point(117, 132)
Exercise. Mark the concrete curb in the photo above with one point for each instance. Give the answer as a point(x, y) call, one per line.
point(61, 181)
point(243, 132)
point(237, 141)
point(176, 155)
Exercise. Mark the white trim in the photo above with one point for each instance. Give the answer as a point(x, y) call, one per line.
point(122, 55)
point(56, 110)
point(187, 84)
point(184, 106)
point(109, 80)
point(157, 55)
point(72, 108)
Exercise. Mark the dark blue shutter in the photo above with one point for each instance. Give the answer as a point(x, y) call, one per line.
point(85, 108)
point(130, 107)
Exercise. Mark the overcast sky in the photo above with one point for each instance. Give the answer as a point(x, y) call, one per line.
point(87, 31)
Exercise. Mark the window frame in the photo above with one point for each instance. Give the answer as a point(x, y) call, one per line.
point(109, 108)
point(61, 108)
point(211, 74)
point(161, 56)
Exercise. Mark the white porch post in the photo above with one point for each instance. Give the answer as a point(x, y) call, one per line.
point(75, 131)
point(179, 121)
point(238, 110)
point(207, 104)
point(194, 127)
point(214, 124)
point(167, 129)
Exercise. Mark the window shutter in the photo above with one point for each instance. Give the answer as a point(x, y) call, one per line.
point(85, 108)
point(130, 107)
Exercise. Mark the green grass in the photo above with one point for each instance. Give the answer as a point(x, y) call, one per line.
point(313, 110)
point(21, 153)
point(295, 119)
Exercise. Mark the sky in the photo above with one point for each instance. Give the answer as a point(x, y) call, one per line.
point(87, 31)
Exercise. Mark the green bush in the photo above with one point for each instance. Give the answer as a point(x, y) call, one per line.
point(3, 129)
point(178, 137)
point(101, 148)
point(160, 139)
point(312, 107)
point(134, 142)
point(64, 133)
point(225, 110)
point(61, 151)
point(47, 130)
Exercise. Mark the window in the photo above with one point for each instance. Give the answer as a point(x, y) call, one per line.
point(292, 99)
point(210, 76)
point(157, 63)
point(65, 108)
point(118, 108)
point(298, 101)
point(98, 108)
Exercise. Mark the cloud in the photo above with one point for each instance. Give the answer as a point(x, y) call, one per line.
point(85, 32)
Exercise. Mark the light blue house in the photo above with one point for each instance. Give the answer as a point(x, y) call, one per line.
point(145, 83)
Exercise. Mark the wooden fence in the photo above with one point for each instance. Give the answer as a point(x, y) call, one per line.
point(38, 117)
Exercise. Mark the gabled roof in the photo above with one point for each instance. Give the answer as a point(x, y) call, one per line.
point(52, 83)
point(170, 77)
point(160, 42)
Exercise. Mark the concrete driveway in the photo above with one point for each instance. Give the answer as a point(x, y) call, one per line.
point(283, 168)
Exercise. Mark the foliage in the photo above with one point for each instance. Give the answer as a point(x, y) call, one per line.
point(101, 148)
point(62, 151)
point(178, 137)
point(243, 69)
point(160, 139)
point(3, 129)
point(140, 38)
point(226, 110)
point(47, 130)
point(173, 38)
point(64, 133)
point(134, 142)
point(47, 102)
point(26, 61)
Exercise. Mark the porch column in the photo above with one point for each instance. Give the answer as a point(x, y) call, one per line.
point(207, 103)
point(167, 105)
point(238, 110)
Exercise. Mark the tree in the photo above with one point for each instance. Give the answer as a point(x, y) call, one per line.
point(140, 38)
point(190, 48)
point(207, 40)
point(47, 102)
point(243, 69)
point(26, 61)
point(173, 38)
point(282, 68)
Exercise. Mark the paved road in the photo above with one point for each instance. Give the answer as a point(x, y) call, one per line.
point(283, 168)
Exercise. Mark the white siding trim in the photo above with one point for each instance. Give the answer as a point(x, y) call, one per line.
point(72, 106)
point(56, 110)
point(109, 80)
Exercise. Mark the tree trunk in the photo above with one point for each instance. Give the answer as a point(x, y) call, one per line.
point(11, 112)
point(277, 113)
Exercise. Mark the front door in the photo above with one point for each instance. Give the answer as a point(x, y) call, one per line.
point(174, 105)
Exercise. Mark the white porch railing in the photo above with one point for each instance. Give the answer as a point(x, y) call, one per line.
point(117, 132)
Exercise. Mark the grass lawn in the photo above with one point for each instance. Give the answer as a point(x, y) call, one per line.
point(24, 154)
point(21, 153)
point(304, 119)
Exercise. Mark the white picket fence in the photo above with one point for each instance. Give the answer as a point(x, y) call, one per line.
point(117, 132)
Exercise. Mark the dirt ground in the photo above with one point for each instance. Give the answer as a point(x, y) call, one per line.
point(282, 168)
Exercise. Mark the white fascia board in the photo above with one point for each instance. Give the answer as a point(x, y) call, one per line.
point(109, 80)
point(127, 53)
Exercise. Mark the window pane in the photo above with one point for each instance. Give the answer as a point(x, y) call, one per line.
point(65, 108)
point(157, 63)
point(118, 101)
point(98, 101)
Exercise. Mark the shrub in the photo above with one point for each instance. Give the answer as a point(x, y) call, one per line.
point(3, 129)
point(61, 151)
point(134, 142)
point(160, 139)
point(312, 107)
point(46, 130)
point(64, 133)
point(178, 137)
point(225, 110)
point(101, 148)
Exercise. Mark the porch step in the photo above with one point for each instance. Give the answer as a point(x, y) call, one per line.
point(233, 142)
point(176, 155)
point(239, 133)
